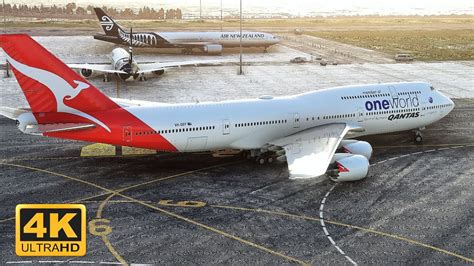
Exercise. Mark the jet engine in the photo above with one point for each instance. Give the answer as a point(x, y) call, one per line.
point(123, 61)
point(212, 49)
point(348, 167)
point(356, 147)
point(87, 73)
point(159, 72)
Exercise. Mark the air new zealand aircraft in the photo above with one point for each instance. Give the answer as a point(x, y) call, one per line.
point(211, 42)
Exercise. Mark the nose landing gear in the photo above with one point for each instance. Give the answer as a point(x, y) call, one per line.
point(418, 136)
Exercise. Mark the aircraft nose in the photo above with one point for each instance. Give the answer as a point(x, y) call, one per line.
point(448, 101)
point(451, 103)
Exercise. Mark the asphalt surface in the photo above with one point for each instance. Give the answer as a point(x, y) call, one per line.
point(416, 205)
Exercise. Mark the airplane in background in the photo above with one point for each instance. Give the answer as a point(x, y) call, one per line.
point(124, 66)
point(208, 42)
point(314, 131)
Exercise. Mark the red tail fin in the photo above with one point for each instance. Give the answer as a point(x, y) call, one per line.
point(50, 85)
point(58, 95)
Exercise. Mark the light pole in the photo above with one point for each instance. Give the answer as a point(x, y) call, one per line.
point(200, 9)
point(240, 69)
point(221, 16)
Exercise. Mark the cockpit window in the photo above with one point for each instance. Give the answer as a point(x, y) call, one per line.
point(432, 88)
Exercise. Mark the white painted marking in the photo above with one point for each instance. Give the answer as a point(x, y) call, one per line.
point(50, 261)
point(321, 208)
point(82, 261)
point(19, 262)
point(340, 250)
point(350, 260)
point(332, 241)
point(325, 231)
point(114, 263)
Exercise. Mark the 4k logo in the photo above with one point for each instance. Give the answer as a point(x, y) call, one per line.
point(50, 230)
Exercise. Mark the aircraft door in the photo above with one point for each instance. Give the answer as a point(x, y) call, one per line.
point(393, 92)
point(127, 134)
point(296, 120)
point(225, 127)
point(360, 114)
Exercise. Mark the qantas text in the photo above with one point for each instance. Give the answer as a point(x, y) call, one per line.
point(403, 116)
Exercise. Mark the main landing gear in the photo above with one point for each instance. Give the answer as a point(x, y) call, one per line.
point(259, 157)
point(106, 78)
point(142, 77)
point(265, 50)
point(418, 136)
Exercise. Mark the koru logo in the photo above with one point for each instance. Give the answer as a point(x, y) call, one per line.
point(107, 23)
point(430, 100)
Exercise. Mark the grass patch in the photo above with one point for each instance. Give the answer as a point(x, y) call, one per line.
point(425, 45)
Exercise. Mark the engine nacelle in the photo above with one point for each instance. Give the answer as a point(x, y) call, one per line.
point(357, 147)
point(87, 73)
point(349, 168)
point(159, 72)
point(26, 122)
point(212, 49)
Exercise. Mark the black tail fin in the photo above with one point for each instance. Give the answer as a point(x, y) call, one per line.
point(107, 23)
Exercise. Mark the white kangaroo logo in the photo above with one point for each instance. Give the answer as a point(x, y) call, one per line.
point(61, 89)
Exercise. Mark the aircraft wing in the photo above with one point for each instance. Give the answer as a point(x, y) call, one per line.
point(102, 68)
point(150, 67)
point(309, 152)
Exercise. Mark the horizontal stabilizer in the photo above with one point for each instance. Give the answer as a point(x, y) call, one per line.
point(13, 113)
point(60, 127)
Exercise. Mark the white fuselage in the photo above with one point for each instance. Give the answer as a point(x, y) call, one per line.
point(250, 124)
point(226, 39)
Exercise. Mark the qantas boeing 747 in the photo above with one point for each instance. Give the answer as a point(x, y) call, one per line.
point(314, 131)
